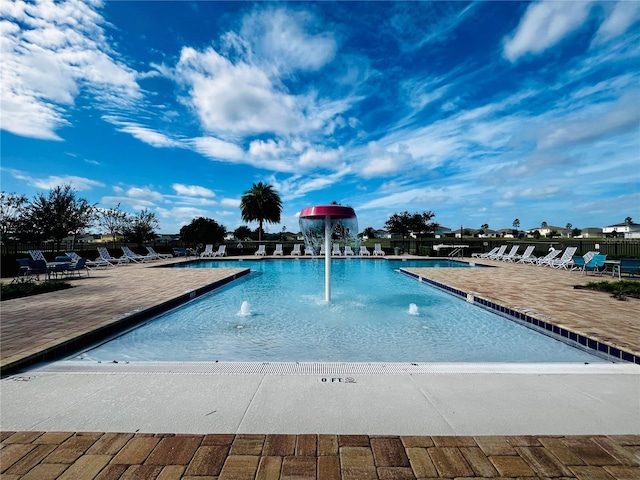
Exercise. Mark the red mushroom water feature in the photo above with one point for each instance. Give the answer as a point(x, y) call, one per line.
point(318, 225)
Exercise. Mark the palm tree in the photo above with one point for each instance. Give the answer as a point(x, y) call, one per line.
point(261, 203)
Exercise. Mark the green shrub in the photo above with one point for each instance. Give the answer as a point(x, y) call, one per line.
point(25, 287)
point(621, 289)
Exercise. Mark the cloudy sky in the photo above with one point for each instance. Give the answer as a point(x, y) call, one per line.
point(480, 112)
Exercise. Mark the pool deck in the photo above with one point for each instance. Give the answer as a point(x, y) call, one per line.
point(185, 421)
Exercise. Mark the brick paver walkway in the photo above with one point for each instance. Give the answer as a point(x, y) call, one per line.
point(48, 320)
point(76, 456)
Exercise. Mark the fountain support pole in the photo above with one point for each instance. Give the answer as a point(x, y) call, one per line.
point(327, 258)
point(329, 214)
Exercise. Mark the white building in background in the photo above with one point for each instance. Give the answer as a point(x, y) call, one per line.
point(625, 230)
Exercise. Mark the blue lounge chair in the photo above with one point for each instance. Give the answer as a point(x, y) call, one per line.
point(79, 266)
point(630, 266)
point(596, 264)
point(179, 252)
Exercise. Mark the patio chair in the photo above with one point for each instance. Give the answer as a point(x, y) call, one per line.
point(158, 256)
point(89, 263)
point(364, 252)
point(377, 250)
point(296, 250)
point(106, 256)
point(565, 260)
point(596, 264)
point(38, 267)
point(508, 256)
point(553, 253)
point(528, 253)
point(336, 249)
point(37, 255)
point(498, 254)
point(179, 252)
point(278, 250)
point(208, 250)
point(493, 251)
point(79, 266)
point(131, 255)
point(261, 251)
point(348, 251)
point(322, 251)
point(221, 252)
point(578, 262)
point(308, 250)
point(630, 266)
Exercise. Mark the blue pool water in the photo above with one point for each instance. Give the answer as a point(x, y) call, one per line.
point(376, 314)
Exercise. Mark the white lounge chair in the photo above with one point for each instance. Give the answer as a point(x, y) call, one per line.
point(131, 255)
point(208, 250)
point(364, 252)
point(508, 256)
point(548, 258)
point(296, 250)
point(348, 252)
point(528, 253)
point(221, 252)
point(278, 250)
point(498, 254)
point(377, 250)
point(158, 256)
point(106, 256)
point(88, 263)
point(336, 249)
point(565, 260)
point(493, 251)
point(261, 251)
point(308, 250)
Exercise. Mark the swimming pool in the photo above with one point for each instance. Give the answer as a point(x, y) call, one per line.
point(277, 313)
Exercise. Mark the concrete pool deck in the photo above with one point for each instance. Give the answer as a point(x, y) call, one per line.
point(438, 420)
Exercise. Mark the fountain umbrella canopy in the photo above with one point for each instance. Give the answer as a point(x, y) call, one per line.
point(325, 224)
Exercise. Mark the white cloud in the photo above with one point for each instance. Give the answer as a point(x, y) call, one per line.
point(51, 52)
point(544, 25)
point(144, 134)
point(192, 190)
point(282, 39)
point(593, 122)
point(217, 149)
point(77, 183)
point(314, 158)
point(145, 194)
point(230, 202)
point(621, 16)
point(237, 98)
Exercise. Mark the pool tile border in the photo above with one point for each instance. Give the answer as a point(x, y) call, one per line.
point(539, 323)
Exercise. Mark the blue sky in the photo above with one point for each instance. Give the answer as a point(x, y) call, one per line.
point(480, 112)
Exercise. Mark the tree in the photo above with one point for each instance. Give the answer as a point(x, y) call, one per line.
point(203, 230)
point(628, 220)
point(369, 232)
point(516, 223)
point(57, 215)
point(113, 220)
point(544, 225)
point(400, 224)
point(242, 232)
point(12, 208)
point(140, 227)
point(484, 226)
point(261, 203)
